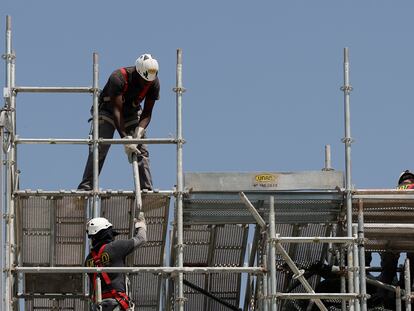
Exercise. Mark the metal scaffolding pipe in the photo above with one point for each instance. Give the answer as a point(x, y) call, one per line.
point(10, 170)
point(316, 296)
point(264, 277)
point(272, 250)
point(179, 90)
point(85, 141)
point(316, 239)
point(5, 273)
point(328, 164)
point(299, 275)
point(357, 270)
point(398, 303)
point(347, 140)
point(371, 280)
point(260, 221)
point(77, 193)
point(361, 253)
point(166, 270)
point(407, 284)
point(52, 89)
point(95, 134)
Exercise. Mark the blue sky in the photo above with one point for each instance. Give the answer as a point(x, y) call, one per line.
point(262, 80)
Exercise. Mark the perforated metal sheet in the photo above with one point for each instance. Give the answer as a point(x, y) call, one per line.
point(53, 230)
point(52, 234)
point(290, 207)
point(145, 289)
point(44, 304)
point(214, 245)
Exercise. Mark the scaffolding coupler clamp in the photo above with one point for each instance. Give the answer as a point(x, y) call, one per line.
point(9, 56)
point(181, 300)
point(179, 90)
point(298, 275)
point(347, 140)
point(347, 88)
point(361, 241)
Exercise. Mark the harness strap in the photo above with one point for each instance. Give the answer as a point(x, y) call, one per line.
point(121, 297)
point(125, 75)
point(144, 90)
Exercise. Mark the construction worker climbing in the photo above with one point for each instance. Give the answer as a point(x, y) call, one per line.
point(120, 109)
point(108, 252)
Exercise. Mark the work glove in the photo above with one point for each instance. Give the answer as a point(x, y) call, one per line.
point(130, 149)
point(140, 222)
point(139, 132)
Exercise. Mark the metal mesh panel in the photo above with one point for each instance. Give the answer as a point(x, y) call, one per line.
point(209, 208)
point(52, 230)
point(43, 304)
point(194, 299)
point(145, 290)
point(210, 245)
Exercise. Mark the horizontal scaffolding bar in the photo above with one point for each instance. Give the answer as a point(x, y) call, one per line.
point(56, 141)
point(166, 270)
point(316, 239)
point(30, 193)
point(53, 89)
point(383, 194)
point(342, 296)
point(388, 226)
point(52, 296)
point(53, 141)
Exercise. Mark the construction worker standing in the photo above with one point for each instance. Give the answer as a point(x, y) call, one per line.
point(120, 109)
point(389, 259)
point(108, 252)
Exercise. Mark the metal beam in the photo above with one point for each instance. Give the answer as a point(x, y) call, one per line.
point(209, 295)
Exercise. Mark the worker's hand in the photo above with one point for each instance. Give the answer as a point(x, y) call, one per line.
point(139, 132)
point(140, 222)
point(130, 149)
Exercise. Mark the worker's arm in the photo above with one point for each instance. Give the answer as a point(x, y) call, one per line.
point(140, 233)
point(146, 114)
point(118, 104)
point(140, 237)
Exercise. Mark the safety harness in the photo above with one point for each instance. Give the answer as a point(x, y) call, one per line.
point(121, 297)
point(144, 90)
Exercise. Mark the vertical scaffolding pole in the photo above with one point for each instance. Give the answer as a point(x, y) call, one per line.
point(328, 164)
point(10, 169)
point(264, 277)
point(95, 145)
point(407, 284)
point(398, 298)
point(347, 140)
point(361, 252)
point(179, 90)
point(357, 271)
point(7, 247)
point(272, 255)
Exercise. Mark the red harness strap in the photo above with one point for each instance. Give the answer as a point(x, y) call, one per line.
point(144, 90)
point(121, 297)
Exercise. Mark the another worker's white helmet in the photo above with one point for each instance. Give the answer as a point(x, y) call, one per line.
point(97, 224)
point(147, 67)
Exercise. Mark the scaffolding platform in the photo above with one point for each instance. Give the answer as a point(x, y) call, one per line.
point(53, 235)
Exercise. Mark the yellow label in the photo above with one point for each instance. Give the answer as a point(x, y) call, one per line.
point(267, 178)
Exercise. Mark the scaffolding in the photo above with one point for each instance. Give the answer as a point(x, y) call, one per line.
point(238, 241)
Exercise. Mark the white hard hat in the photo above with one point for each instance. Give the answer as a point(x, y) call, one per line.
point(97, 224)
point(147, 67)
